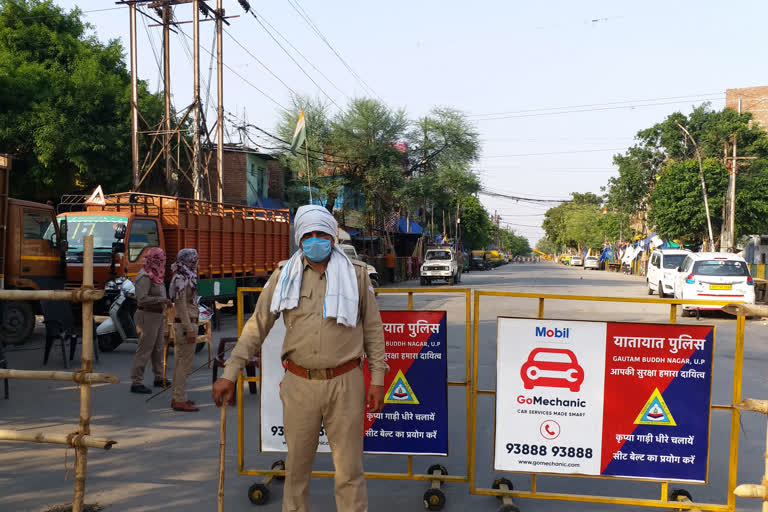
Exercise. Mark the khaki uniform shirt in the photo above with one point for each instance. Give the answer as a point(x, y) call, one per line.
point(148, 292)
point(187, 311)
point(312, 341)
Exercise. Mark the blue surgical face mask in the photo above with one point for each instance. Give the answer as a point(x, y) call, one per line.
point(316, 249)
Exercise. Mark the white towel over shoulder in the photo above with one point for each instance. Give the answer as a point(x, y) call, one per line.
point(341, 292)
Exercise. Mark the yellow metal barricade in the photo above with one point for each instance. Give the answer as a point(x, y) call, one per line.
point(259, 491)
point(678, 501)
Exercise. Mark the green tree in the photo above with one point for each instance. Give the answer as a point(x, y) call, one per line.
point(364, 142)
point(325, 178)
point(476, 225)
point(547, 246)
point(656, 179)
point(65, 102)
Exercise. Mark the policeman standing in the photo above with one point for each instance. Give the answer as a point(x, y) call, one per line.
point(331, 320)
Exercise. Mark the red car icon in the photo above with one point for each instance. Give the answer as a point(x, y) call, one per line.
point(552, 368)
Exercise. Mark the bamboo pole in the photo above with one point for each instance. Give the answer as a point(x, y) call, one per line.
point(222, 446)
point(78, 377)
point(79, 295)
point(72, 440)
point(746, 309)
point(81, 453)
point(752, 490)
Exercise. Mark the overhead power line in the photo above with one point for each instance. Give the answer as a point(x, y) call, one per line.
point(305, 16)
point(246, 50)
point(261, 20)
point(589, 105)
point(241, 77)
point(599, 109)
point(512, 197)
point(556, 153)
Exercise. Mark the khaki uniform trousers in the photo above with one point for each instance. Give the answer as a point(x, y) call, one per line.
point(183, 356)
point(337, 404)
point(151, 329)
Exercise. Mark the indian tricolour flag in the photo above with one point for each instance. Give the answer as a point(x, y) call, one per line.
point(300, 134)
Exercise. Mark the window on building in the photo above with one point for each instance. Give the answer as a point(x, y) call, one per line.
point(143, 234)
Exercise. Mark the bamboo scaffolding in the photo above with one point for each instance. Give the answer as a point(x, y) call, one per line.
point(81, 452)
point(81, 439)
point(78, 377)
point(71, 440)
point(752, 490)
point(79, 295)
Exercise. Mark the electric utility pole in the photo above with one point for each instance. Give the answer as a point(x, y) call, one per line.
point(728, 243)
point(170, 128)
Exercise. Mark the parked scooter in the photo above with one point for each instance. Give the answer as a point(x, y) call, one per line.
point(119, 327)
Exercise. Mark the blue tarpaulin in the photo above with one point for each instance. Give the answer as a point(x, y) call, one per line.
point(404, 226)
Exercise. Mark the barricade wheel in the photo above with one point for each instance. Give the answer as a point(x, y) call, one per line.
point(509, 507)
point(437, 467)
point(279, 464)
point(258, 494)
point(434, 499)
point(497, 484)
point(676, 494)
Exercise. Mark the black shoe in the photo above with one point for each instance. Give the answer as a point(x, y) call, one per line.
point(159, 383)
point(140, 388)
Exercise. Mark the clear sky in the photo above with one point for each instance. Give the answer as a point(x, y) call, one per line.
point(572, 82)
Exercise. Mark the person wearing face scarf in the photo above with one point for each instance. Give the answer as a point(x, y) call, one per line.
point(183, 292)
point(150, 320)
point(332, 321)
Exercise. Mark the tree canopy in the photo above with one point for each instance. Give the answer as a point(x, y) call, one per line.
point(659, 176)
point(65, 103)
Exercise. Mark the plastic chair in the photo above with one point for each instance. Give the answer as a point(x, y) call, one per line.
point(59, 326)
point(222, 354)
point(170, 337)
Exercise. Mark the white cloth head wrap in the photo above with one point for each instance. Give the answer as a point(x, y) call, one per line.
point(312, 217)
point(342, 296)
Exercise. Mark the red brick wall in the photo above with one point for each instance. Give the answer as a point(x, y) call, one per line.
point(276, 180)
point(753, 99)
point(235, 185)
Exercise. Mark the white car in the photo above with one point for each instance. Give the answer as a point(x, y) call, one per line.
point(592, 262)
point(714, 276)
point(351, 253)
point(662, 270)
point(440, 264)
point(576, 261)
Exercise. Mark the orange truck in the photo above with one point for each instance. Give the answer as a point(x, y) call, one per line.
point(237, 245)
point(31, 256)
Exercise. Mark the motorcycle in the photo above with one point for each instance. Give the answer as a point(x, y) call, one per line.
point(120, 328)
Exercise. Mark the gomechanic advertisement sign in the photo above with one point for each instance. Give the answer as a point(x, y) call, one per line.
point(602, 398)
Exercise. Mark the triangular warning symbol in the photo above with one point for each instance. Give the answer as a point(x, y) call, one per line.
point(97, 198)
point(655, 412)
point(400, 391)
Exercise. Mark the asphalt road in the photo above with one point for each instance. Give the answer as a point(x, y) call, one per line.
point(168, 461)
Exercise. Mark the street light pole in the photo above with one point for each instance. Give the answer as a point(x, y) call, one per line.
point(703, 186)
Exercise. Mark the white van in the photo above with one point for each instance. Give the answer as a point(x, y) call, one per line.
point(714, 276)
point(662, 270)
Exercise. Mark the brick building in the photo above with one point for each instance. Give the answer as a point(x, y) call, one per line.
point(753, 100)
point(251, 178)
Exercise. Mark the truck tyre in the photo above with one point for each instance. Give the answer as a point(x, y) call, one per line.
point(19, 322)
point(108, 342)
point(423, 281)
point(451, 281)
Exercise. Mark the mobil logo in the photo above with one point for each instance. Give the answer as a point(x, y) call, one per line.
point(545, 332)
